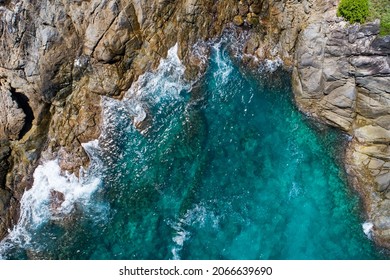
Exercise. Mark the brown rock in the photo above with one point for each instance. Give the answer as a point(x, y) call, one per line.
point(56, 200)
point(243, 8)
point(5, 197)
point(255, 8)
point(252, 19)
point(5, 152)
point(238, 20)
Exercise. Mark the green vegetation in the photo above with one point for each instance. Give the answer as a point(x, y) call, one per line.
point(353, 10)
point(380, 9)
point(366, 10)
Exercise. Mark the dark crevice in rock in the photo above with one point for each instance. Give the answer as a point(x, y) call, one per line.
point(22, 101)
point(5, 151)
point(4, 2)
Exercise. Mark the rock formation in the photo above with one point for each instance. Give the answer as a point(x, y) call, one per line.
point(342, 77)
point(58, 58)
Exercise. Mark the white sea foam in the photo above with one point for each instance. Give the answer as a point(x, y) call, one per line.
point(197, 216)
point(225, 66)
point(158, 88)
point(36, 205)
point(91, 145)
point(165, 82)
point(271, 65)
point(181, 236)
point(294, 191)
point(367, 229)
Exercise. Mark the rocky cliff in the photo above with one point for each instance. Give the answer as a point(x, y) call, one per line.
point(58, 58)
point(342, 77)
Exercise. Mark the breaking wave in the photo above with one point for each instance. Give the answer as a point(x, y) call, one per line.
point(53, 196)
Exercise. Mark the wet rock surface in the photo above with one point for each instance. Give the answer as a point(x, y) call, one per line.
point(62, 57)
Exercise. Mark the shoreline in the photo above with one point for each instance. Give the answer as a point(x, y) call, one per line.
point(327, 83)
point(311, 120)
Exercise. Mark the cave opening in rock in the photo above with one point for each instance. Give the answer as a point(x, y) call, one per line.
point(22, 101)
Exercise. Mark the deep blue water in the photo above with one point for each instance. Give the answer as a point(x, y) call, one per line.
point(228, 169)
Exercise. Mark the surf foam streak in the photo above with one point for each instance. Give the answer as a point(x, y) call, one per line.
point(152, 97)
point(166, 82)
point(367, 229)
point(271, 65)
point(225, 66)
point(195, 215)
point(198, 216)
point(53, 196)
point(162, 87)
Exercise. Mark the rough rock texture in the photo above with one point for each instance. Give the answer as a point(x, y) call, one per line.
point(275, 32)
point(342, 77)
point(57, 58)
point(12, 118)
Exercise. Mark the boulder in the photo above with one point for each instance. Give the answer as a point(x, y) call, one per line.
point(238, 20)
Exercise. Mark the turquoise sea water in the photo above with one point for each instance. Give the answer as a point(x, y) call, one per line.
point(228, 169)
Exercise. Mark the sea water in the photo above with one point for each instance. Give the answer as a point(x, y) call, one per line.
point(226, 168)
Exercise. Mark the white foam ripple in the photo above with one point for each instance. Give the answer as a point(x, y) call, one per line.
point(37, 206)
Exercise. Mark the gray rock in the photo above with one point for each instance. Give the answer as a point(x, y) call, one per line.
point(381, 44)
point(371, 65)
point(369, 29)
point(352, 93)
point(371, 105)
point(383, 121)
point(383, 182)
point(378, 85)
point(11, 116)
